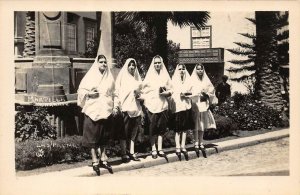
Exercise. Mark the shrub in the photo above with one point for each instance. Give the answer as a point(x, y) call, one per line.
point(249, 113)
point(225, 127)
point(33, 125)
point(35, 154)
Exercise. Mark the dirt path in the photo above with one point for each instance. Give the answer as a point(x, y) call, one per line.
point(270, 158)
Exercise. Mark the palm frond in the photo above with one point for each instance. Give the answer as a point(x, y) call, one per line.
point(283, 35)
point(251, 36)
point(242, 78)
point(136, 18)
point(252, 20)
point(242, 62)
point(242, 52)
point(242, 68)
point(245, 45)
point(182, 19)
point(252, 56)
point(283, 20)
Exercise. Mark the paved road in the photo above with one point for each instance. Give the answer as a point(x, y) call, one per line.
point(270, 158)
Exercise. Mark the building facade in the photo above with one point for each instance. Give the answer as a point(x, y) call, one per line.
point(77, 30)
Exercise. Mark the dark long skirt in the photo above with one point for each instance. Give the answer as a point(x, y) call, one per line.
point(117, 127)
point(131, 126)
point(124, 127)
point(158, 122)
point(182, 121)
point(95, 133)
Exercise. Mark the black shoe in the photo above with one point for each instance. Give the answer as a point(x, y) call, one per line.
point(197, 151)
point(133, 157)
point(185, 154)
point(202, 148)
point(161, 154)
point(178, 154)
point(106, 166)
point(96, 168)
point(154, 155)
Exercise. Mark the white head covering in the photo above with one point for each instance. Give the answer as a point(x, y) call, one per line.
point(180, 86)
point(125, 86)
point(152, 82)
point(101, 107)
point(201, 85)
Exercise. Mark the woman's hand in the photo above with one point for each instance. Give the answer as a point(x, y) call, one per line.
point(115, 111)
point(137, 94)
point(140, 98)
point(165, 94)
point(93, 94)
point(162, 89)
point(203, 96)
point(186, 95)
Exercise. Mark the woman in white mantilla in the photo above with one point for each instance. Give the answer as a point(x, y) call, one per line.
point(95, 97)
point(203, 93)
point(181, 108)
point(156, 90)
point(128, 91)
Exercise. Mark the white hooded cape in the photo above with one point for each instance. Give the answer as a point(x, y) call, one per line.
point(180, 86)
point(151, 84)
point(125, 86)
point(101, 107)
point(201, 85)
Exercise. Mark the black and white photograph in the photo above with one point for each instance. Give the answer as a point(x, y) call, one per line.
point(181, 100)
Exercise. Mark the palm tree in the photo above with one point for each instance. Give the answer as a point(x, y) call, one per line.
point(158, 22)
point(267, 86)
point(245, 66)
point(283, 50)
point(134, 41)
point(29, 40)
point(249, 51)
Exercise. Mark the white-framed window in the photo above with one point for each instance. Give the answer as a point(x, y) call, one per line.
point(89, 34)
point(72, 38)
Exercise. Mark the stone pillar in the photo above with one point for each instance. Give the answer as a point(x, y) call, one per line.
point(51, 66)
point(106, 39)
point(49, 79)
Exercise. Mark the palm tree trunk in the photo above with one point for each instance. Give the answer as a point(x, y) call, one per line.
point(160, 42)
point(29, 40)
point(267, 86)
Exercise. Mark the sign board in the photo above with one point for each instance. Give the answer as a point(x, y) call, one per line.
point(211, 58)
point(45, 99)
point(201, 38)
point(193, 56)
point(201, 42)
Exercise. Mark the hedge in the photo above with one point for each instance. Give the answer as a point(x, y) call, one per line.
point(251, 114)
point(33, 154)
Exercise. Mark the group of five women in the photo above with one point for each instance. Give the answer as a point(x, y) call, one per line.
point(106, 102)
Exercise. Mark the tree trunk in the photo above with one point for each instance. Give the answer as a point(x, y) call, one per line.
point(160, 42)
point(29, 40)
point(267, 86)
